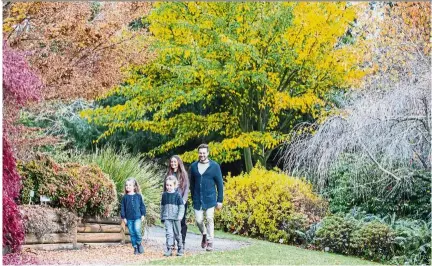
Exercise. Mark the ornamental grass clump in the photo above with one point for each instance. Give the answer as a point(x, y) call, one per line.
point(120, 165)
point(269, 205)
point(82, 189)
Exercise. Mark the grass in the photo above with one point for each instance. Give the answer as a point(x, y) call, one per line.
point(263, 252)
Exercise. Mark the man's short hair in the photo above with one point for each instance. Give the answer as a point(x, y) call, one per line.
point(203, 146)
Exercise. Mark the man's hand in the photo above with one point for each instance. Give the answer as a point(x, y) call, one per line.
point(219, 206)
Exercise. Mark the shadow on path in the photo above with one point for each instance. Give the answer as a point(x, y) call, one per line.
point(156, 236)
point(121, 254)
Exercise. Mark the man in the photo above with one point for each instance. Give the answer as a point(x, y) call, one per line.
point(205, 178)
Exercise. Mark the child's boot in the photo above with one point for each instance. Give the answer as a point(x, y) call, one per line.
point(135, 250)
point(180, 251)
point(168, 252)
point(140, 248)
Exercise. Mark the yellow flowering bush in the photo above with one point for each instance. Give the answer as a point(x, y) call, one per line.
point(269, 205)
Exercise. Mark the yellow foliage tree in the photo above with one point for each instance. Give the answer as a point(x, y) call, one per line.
point(245, 72)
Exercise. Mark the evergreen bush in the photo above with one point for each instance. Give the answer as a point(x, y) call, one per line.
point(374, 241)
point(389, 240)
point(335, 234)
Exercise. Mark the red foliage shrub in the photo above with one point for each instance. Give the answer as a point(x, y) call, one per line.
point(13, 230)
point(11, 179)
point(20, 85)
point(82, 189)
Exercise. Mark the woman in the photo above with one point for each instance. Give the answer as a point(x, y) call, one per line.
point(177, 169)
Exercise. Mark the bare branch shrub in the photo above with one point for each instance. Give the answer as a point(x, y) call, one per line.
point(385, 124)
point(389, 128)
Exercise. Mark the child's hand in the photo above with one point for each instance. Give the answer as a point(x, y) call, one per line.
point(125, 221)
point(142, 218)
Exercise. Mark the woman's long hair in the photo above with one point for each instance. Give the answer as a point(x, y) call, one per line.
point(182, 175)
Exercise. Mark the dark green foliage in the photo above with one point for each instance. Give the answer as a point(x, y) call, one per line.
point(387, 239)
point(347, 189)
point(63, 121)
point(139, 23)
point(374, 241)
point(335, 233)
point(413, 242)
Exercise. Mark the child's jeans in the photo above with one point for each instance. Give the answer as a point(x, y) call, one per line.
point(134, 227)
point(173, 233)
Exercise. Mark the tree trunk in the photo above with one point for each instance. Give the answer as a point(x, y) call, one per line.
point(248, 159)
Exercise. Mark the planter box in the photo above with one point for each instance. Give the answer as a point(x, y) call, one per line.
point(99, 237)
point(49, 238)
point(99, 228)
point(90, 231)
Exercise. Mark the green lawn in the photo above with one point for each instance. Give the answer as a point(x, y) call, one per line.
point(263, 252)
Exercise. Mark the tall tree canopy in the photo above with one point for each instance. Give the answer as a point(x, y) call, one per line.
point(254, 69)
point(78, 48)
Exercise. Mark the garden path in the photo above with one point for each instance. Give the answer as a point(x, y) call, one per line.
point(154, 240)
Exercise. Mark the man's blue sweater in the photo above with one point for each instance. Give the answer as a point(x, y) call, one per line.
point(203, 187)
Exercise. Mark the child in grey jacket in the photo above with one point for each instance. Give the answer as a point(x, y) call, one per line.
point(172, 211)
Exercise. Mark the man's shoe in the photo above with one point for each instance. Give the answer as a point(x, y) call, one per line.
point(140, 249)
point(135, 251)
point(168, 252)
point(209, 246)
point(204, 241)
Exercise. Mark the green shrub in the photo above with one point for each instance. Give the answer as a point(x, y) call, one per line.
point(335, 234)
point(122, 165)
point(348, 188)
point(413, 242)
point(374, 240)
point(398, 241)
point(269, 205)
point(82, 189)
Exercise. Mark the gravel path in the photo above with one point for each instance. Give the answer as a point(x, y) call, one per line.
point(154, 242)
